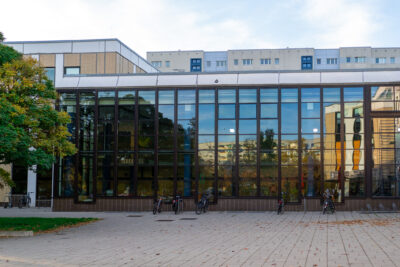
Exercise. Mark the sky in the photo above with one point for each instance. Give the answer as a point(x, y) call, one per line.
point(210, 25)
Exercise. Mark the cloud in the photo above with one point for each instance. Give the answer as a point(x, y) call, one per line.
point(142, 25)
point(341, 22)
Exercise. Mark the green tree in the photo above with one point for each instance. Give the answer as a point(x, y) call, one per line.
point(32, 132)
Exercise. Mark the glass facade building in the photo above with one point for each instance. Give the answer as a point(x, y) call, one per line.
point(232, 142)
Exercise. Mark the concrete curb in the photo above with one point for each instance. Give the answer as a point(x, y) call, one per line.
point(16, 233)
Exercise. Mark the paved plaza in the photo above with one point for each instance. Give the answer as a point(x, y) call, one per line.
point(211, 239)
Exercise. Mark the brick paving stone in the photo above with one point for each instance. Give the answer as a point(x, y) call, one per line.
point(213, 239)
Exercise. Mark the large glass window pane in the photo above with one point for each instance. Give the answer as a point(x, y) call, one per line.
point(105, 174)
point(86, 114)
point(310, 110)
point(382, 93)
point(126, 97)
point(226, 126)
point(66, 177)
point(145, 186)
point(206, 96)
point(185, 142)
point(310, 126)
point(85, 178)
point(247, 181)
point(166, 97)
point(186, 112)
point(186, 181)
point(147, 97)
point(289, 157)
point(269, 125)
point(269, 181)
point(247, 95)
point(382, 106)
point(385, 181)
point(310, 95)
point(311, 141)
point(289, 120)
point(311, 179)
point(331, 117)
point(269, 110)
point(248, 141)
point(226, 157)
point(247, 126)
point(126, 174)
point(166, 119)
point(206, 118)
point(354, 181)
point(247, 111)
point(206, 157)
point(331, 94)
point(206, 142)
point(353, 94)
point(226, 187)
point(227, 96)
point(226, 141)
point(352, 110)
point(289, 95)
point(226, 111)
point(186, 96)
point(289, 141)
point(269, 157)
point(106, 97)
point(290, 183)
point(269, 95)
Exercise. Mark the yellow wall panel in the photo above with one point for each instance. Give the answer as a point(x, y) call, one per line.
point(88, 63)
point(47, 60)
point(111, 61)
point(72, 60)
point(100, 63)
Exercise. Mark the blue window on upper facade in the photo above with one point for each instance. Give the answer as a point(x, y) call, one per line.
point(306, 62)
point(195, 65)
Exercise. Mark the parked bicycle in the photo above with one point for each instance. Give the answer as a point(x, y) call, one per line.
point(177, 204)
point(328, 204)
point(9, 203)
point(25, 201)
point(202, 205)
point(281, 204)
point(157, 205)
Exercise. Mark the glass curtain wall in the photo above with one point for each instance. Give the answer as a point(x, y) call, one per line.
point(66, 166)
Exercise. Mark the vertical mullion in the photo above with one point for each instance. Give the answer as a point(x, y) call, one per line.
point(258, 143)
point(136, 146)
point(77, 155)
point(216, 114)
point(116, 129)
point(237, 144)
point(342, 140)
point(155, 178)
point(299, 145)
point(96, 116)
point(175, 186)
point(321, 136)
point(279, 144)
point(367, 142)
point(196, 148)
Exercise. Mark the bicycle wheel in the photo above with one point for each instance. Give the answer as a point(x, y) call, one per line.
point(199, 207)
point(175, 207)
point(20, 204)
point(279, 209)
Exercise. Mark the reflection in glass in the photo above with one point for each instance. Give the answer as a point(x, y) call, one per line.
point(290, 183)
point(247, 111)
point(289, 95)
point(269, 125)
point(166, 97)
point(247, 126)
point(247, 181)
point(269, 110)
point(289, 120)
point(354, 181)
point(269, 157)
point(147, 97)
point(331, 94)
point(310, 125)
point(226, 157)
point(385, 180)
point(126, 174)
point(247, 95)
point(310, 95)
point(226, 111)
point(269, 95)
point(206, 96)
point(226, 96)
point(206, 118)
point(226, 126)
point(289, 142)
point(226, 188)
point(105, 174)
point(354, 109)
point(206, 142)
point(226, 141)
point(269, 181)
point(206, 157)
point(310, 110)
point(311, 141)
point(382, 93)
point(186, 96)
point(126, 97)
point(186, 112)
point(353, 94)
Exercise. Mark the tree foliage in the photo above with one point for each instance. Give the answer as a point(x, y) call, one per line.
point(32, 132)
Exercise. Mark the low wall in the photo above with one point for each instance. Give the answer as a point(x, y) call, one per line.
point(125, 204)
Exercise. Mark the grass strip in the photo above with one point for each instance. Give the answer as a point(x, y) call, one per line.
point(36, 224)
